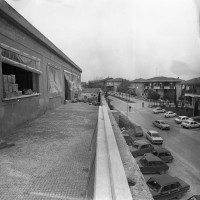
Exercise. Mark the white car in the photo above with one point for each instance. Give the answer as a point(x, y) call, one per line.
point(180, 119)
point(190, 124)
point(158, 110)
point(154, 137)
point(170, 114)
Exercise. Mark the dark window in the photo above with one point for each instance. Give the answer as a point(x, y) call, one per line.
point(26, 80)
point(155, 153)
point(144, 146)
point(154, 185)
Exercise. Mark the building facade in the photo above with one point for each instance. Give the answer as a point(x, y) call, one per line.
point(113, 84)
point(191, 90)
point(164, 86)
point(34, 74)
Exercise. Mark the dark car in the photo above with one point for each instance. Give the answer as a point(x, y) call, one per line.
point(194, 197)
point(163, 154)
point(128, 139)
point(166, 187)
point(140, 147)
point(138, 131)
point(161, 124)
point(152, 164)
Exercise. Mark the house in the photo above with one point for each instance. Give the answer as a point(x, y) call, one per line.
point(191, 90)
point(114, 83)
point(164, 86)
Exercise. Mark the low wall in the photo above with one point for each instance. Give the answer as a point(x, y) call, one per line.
point(139, 189)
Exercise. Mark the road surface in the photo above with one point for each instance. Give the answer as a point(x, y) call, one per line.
point(183, 143)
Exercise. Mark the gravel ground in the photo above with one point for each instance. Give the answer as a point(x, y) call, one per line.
point(51, 155)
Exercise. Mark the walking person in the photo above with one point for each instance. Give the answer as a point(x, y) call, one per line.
point(143, 104)
point(129, 108)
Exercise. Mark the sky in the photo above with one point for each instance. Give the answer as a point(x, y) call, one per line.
point(121, 38)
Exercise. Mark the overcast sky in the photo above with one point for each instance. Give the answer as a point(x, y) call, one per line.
point(121, 38)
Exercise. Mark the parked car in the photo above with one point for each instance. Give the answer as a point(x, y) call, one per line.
point(154, 137)
point(140, 147)
point(180, 119)
point(166, 187)
point(194, 197)
point(152, 164)
point(190, 124)
point(158, 110)
point(128, 139)
point(170, 114)
point(161, 124)
point(138, 131)
point(163, 154)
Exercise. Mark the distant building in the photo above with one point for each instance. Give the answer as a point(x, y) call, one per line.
point(34, 74)
point(98, 83)
point(162, 85)
point(191, 90)
point(113, 84)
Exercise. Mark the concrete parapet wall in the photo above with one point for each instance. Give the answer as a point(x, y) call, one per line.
point(139, 189)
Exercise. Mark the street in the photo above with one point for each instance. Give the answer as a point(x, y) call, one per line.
point(184, 144)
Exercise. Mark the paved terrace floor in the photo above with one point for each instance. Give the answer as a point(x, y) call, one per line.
point(51, 155)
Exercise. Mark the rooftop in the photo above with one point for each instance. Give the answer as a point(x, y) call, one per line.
point(163, 79)
point(194, 81)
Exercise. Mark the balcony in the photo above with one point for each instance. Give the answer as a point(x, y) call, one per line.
point(156, 87)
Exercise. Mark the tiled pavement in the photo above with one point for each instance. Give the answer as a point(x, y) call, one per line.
point(51, 156)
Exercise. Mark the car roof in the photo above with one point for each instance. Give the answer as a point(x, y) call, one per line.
point(160, 120)
point(165, 179)
point(182, 116)
point(161, 149)
point(141, 142)
point(152, 131)
point(151, 157)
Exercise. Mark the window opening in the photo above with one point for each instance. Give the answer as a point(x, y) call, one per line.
point(18, 82)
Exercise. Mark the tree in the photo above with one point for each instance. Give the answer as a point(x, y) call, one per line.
point(124, 86)
point(153, 95)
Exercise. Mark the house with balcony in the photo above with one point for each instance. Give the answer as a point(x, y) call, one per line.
point(191, 91)
point(164, 86)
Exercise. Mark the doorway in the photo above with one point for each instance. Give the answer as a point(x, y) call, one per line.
point(67, 90)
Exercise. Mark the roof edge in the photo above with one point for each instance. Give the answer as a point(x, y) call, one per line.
point(12, 15)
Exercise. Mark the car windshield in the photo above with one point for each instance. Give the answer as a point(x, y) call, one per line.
point(154, 185)
point(187, 122)
point(136, 146)
point(162, 122)
point(155, 135)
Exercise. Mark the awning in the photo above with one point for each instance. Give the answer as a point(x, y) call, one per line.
point(20, 65)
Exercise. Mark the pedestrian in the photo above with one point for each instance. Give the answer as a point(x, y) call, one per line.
point(129, 108)
point(143, 104)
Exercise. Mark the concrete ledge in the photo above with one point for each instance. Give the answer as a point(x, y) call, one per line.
point(110, 181)
point(139, 190)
